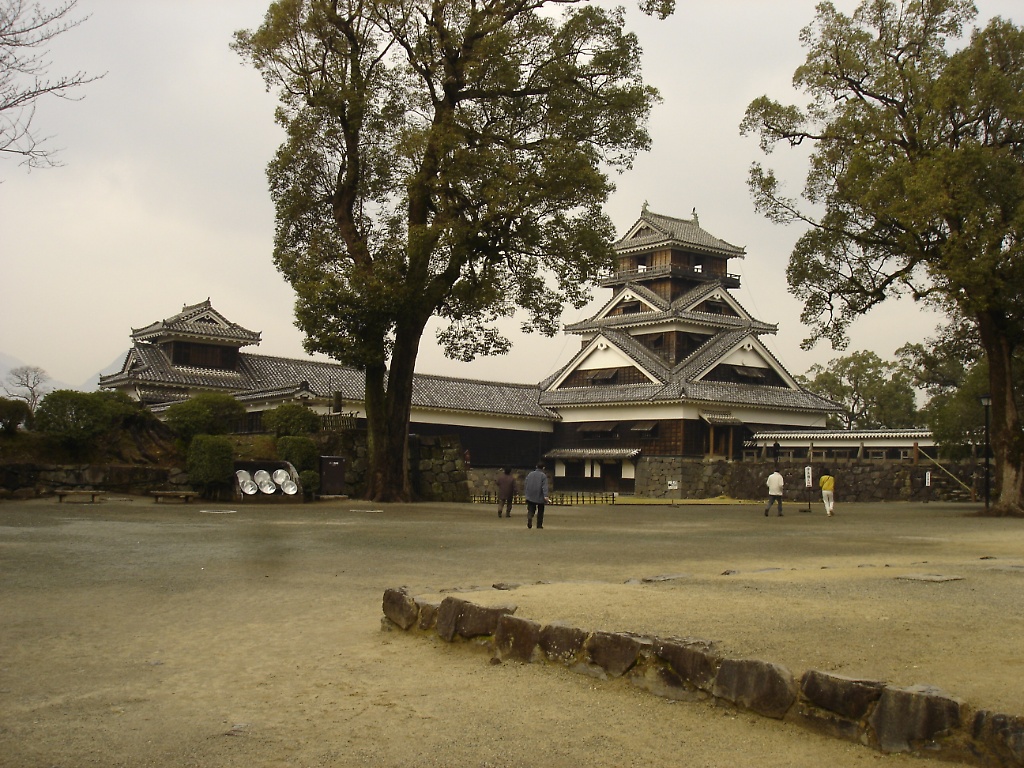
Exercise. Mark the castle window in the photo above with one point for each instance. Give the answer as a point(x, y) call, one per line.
point(751, 374)
point(603, 378)
point(645, 428)
point(203, 355)
point(595, 430)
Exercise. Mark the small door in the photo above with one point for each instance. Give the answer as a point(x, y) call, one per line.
point(332, 475)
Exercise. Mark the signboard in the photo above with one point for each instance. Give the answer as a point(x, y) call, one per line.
point(673, 485)
point(808, 477)
point(928, 479)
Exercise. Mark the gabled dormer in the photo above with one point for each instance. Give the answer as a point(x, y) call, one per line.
point(671, 256)
point(604, 363)
point(198, 337)
point(748, 362)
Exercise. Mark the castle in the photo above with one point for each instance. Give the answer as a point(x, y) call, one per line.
point(671, 366)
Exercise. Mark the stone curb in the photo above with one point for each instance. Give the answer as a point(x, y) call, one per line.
point(917, 719)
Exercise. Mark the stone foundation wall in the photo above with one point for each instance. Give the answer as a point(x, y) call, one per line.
point(30, 480)
point(481, 481)
point(436, 467)
point(916, 719)
point(670, 477)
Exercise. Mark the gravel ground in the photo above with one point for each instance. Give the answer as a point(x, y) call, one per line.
point(135, 634)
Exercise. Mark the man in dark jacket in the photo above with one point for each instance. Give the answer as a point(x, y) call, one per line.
point(506, 491)
point(536, 491)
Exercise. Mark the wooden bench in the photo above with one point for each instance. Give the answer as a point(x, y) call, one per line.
point(93, 495)
point(185, 496)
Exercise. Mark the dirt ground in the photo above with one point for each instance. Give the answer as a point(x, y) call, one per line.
point(137, 634)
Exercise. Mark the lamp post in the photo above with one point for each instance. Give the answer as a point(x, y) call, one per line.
point(986, 401)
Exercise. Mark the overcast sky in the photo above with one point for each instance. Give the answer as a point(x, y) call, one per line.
point(162, 199)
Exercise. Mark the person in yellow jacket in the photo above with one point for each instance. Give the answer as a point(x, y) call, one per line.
point(827, 483)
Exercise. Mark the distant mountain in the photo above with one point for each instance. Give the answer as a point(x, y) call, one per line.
point(8, 362)
point(93, 383)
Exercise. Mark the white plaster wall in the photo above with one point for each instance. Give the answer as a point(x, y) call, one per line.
point(609, 357)
point(748, 357)
point(424, 416)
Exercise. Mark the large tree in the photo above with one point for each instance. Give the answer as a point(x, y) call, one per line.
point(916, 181)
point(443, 158)
point(873, 393)
point(951, 369)
point(26, 29)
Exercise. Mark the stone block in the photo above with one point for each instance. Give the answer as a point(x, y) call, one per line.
point(661, 680)
point(692, 660)
point(480, 621)
point(613, 652)
point(846, 696)
point(998, 738)
point(561, 642)
point(428, 614)
point(516, 638)
point(760, 686)
point(400, 608)
point(911, 718)
point(448, 617)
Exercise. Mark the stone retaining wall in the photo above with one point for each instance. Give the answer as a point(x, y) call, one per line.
point(916, 719)
point(436, 467)
point(31, 480)
point(671, 477)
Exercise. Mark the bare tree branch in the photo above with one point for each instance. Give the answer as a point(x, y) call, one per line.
point(26, 29)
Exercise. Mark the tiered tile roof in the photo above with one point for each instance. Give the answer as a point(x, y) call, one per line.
point(198, 321)
point(262, 377)
point(669, 231)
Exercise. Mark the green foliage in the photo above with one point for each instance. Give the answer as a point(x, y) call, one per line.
point(13, 414)
point(209, 413)
point(310, 481)
point(873, 394)
point(442, 159)
point(291, 419)
point(80, 421)
point(951, 369)
point(918, 169)
point(210, 461)
point(301, 452)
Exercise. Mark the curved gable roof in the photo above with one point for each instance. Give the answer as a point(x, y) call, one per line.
point(200, 322)
point(653, 230)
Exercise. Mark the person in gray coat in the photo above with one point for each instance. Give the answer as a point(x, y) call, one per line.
point(536, 491)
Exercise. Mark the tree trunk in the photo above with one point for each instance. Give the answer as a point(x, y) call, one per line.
point(1005, 429)
point(388, 425)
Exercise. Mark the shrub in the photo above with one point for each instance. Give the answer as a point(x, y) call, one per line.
point(291, 419)
point(78, 421)
point(210, 462)
point(302, 452)
point(13, 413)
point(310, 481)
point(210, 413)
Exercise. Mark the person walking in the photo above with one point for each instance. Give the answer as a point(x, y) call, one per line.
point(775, 485)
point(506, 491)
point(827, 483)
point(535, 489)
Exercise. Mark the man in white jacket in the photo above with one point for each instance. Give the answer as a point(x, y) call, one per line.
point(775, 484)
